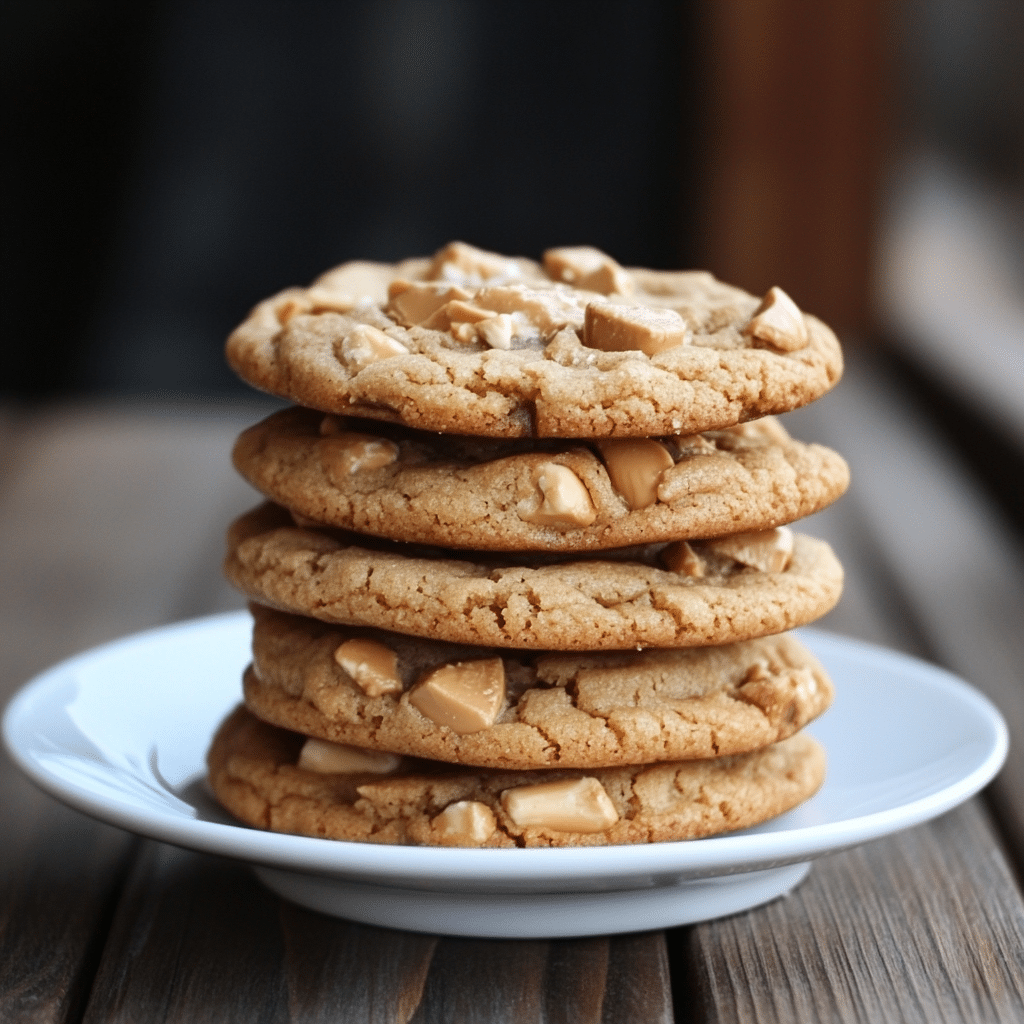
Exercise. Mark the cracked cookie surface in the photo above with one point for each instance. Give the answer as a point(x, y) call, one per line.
point(612, 601)
point(254, 774)
point(463, 492)
point(353, 344)
point(559, 710)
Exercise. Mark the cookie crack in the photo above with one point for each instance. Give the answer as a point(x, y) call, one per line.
point(553, 745)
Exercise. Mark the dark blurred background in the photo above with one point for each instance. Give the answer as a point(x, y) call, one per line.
point(175, 162)
point(170, 163)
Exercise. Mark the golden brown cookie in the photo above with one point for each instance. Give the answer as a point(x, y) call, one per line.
point(462, 492)
point(619, 600)
point(253, 770)
point(497, 708)
point(476, 343)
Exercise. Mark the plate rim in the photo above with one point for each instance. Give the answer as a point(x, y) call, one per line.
point(714, 855)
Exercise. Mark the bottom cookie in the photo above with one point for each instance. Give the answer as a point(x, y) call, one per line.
point(254, 773)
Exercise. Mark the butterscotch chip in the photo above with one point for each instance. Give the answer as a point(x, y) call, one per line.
point(466, 264)
point(778, 322)
point(586, 267)
point(767, 550)
point(497, 330)
point(614, 328)
point(360, 281)
point(337, 758)
point(364, 345)
point(767, 428)
point(463, 823)
point(562, 499)
point(312, 300)
point(519, 600)
point(411, 302)
point(680, 557)
point(636, 466)
point(572, 264)
point(471, 492)
point(253, 773)
point(465, 697)
point(372, 666)
point(345, 453)
point(456, 312)
point(577, 805)
point(635, 376)
point(583, 710)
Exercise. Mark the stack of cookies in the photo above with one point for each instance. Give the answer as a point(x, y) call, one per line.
point(524, 576)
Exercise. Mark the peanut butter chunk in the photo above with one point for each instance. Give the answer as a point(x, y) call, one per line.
point(579, 805)
point(635, 467)
point(680, 557)
point(364, 345)
point(414, 302)
point(357, 280)
point(454, 315)
point(348, 452)
point(565, 502)
point(779, 322)
point(466, 264)
point(615, 328)
point(497, 330)
point(534, 311)
point(466, 696)
point(466, 823)
point(372, 666)
point(314, 300)
point(329, 758)
point(585, 267)
point(323, 301)
point(767, 550)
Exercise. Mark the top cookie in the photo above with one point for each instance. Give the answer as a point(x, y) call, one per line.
point(471, 342)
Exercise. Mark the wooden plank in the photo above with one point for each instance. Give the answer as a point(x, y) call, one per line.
point(60, 874)
point(951, 558)
point(926, 926)
point(197, 938)
point(97, 508)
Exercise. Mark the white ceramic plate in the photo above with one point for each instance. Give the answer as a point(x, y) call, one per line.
point(121, 731)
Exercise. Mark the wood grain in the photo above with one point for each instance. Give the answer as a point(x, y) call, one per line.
point(926, 926)
point(198, 939)
point(60, 874)
point(341, 971)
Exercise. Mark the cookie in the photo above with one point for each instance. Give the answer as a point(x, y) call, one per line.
point(617, 600)
point(463, 492)
point(254, 772)
point(472, 342)
point(496, 708)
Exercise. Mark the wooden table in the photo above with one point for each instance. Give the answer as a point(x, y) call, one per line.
point(111, 519)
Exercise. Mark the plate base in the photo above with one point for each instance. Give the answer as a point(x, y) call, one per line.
point(534, 915)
